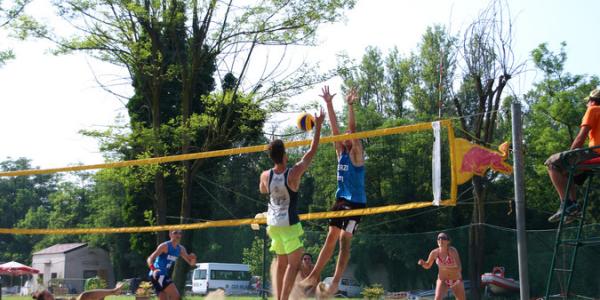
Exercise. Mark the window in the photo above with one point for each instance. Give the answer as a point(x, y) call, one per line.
point(53, 275)
point(89, 274)
point(352, 282)
point(200, 274)
point(230, 275)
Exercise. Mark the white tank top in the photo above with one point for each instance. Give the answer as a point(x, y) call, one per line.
point(282, 201)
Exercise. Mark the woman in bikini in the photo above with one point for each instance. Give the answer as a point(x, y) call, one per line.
point(449, 275)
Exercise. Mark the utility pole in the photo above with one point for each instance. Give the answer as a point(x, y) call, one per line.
point(517, 134)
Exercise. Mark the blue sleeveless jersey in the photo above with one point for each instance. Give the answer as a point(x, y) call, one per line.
point(351, 180)
point(165, 261)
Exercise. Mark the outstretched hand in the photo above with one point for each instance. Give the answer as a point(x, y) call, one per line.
point(352, 96)
point(326, 95)
point(421, 262)
point(319, 118)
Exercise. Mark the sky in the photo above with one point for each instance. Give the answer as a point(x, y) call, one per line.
point(46, 100)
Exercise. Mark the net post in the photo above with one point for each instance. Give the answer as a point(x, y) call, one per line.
point(517, 136)
point(453, 177)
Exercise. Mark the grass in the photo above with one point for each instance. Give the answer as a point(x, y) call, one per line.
point(13, 297)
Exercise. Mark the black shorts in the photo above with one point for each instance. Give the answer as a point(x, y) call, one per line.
point(348, 224)
point(160, 283)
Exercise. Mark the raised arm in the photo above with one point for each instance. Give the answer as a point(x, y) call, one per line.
point(301, 166)
point(357, 150)
point(350, 100)
point(328, 97)
point(427, 264)
point(189, 258)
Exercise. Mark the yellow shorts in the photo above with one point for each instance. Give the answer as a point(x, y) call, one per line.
point(285, 239)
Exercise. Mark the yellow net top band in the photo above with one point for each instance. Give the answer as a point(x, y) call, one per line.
point(226, 152)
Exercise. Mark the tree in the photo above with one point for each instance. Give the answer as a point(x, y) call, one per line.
point(174, 51)
point(22, 198)
point(8, 14)
point(555, 108)
point(489, 65)
point(435, 68)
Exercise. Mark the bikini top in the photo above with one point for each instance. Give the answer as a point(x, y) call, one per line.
point(447, 262)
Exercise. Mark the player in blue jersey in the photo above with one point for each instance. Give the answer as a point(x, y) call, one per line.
point(350, 194)
point(284, 229)
point(162, 260)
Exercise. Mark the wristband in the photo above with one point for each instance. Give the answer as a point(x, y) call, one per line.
point(152, 267)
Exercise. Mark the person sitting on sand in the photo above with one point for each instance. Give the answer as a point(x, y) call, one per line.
point(98, 294)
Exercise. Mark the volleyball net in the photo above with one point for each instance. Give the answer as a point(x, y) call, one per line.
point(436, 146)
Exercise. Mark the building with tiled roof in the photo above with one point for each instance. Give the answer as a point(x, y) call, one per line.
point(71, 264)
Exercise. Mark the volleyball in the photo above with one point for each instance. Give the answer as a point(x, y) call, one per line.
point(306, 122)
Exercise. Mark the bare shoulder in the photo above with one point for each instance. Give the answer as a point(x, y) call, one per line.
point(265, 175)
point(435, 252)
point(162, 247)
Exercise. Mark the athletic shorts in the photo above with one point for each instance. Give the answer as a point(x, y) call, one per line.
point(348, 224)
point(160, 283)
point(285, 239)
point(557, 162)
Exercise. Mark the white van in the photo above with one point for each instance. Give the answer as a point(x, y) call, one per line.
point(348, 287)
point(234, 279)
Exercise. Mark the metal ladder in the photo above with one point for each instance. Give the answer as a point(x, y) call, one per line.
point(565, 243)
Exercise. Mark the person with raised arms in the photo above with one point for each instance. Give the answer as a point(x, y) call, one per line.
point(350, 194)
point(284, 228)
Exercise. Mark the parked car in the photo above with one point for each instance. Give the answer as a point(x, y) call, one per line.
point(348, 287)
point(234, 279)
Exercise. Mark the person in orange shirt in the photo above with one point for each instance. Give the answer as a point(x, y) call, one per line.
point(557, 167)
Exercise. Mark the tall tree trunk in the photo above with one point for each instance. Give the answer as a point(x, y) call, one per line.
point(159, 179)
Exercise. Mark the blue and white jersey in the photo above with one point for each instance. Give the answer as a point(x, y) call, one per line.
point(165, 261)
point(282, 201)
point(351, 180)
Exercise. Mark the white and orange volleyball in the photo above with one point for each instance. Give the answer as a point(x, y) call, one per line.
point(305, 122)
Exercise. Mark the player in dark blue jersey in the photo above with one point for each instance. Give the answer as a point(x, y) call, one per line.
point(350, 194)
point(161, 262)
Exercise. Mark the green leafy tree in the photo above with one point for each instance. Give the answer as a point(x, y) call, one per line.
point(8, 14)
point(555, 109)
point(435, 70)
point(172, 50)
point(253, 256)
point(23, 197)
point(489, 66)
